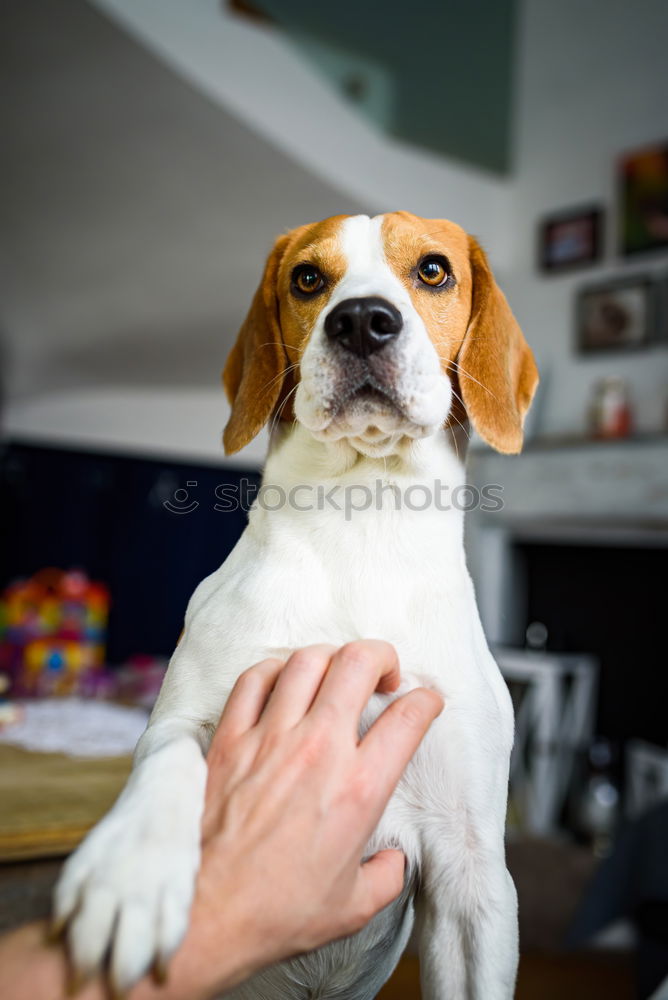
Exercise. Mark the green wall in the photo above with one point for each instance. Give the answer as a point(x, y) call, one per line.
point(437, 74)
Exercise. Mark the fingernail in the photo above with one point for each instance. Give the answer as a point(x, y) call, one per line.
point(433, 696)
point(76, 981)
point(54, 929)
point(160, 969)
point(116, 991)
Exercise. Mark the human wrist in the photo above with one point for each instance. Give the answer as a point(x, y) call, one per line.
point(220, 950)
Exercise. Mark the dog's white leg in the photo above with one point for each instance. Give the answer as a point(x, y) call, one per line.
point(467, 905)
point(468, 932)
point(129, 885)
point(126, 891)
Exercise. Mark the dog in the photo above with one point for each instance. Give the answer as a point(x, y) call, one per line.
point(370, 345)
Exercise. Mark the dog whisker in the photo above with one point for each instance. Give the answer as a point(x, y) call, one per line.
point(458, 368)
point(281, 374)
point(279, 411)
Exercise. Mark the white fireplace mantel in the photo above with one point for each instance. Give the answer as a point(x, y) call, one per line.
point(589, 492)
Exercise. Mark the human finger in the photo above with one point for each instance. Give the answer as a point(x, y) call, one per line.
point(297, 685)
point(380, 880)
point(394, 737)
point(246, 701)
point(357, 670)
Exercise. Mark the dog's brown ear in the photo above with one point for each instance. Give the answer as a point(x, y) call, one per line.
point(253, 373)
point(496, 368)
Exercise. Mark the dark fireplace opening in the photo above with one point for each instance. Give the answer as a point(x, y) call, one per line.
point(611, 602)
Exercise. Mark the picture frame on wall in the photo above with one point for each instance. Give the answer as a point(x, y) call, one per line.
point(643, 200)
point(616, 315)
point(570, 239)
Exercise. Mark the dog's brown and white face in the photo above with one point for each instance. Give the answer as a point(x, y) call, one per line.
point(379, 330)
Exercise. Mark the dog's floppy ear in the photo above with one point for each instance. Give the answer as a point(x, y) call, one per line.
point(496, 369)
point(253, 373)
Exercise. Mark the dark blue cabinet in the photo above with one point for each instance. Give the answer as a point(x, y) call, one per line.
point(107, 514)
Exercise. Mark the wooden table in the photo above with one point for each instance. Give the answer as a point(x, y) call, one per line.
point(47, 804)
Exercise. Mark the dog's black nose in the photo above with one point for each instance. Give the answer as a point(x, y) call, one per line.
point(363, 326)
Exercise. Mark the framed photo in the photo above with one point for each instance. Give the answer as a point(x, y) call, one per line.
point(643, 200)
point(570, 239)
point(617, 315)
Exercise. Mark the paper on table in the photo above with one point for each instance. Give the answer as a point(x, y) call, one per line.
point(76, 727)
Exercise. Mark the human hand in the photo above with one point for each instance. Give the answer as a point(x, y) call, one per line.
point(292, 798)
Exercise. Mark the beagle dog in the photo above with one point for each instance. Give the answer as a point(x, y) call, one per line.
point(369, 344)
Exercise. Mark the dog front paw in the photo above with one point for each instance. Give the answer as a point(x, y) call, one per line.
point(125, 894)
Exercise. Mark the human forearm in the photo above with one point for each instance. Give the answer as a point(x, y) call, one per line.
point(32, 966)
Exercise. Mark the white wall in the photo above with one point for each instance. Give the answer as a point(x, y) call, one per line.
point(149, 162)
point(168, 421)
point(143, 191)
point(592, 83)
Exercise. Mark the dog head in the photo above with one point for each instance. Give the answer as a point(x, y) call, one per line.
point(378, 331)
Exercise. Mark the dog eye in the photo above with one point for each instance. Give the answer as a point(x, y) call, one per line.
point(307, 279)
point(433, 271)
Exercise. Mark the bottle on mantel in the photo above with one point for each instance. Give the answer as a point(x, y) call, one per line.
point(610, 413)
